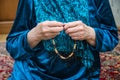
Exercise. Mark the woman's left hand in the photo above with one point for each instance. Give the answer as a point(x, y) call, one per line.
point(77, 30)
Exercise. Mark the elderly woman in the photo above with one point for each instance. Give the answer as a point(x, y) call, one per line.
point(60, 39)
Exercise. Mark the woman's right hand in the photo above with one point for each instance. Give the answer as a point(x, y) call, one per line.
point(44, 31)
point(49, 29)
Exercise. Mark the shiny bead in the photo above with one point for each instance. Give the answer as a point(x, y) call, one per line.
point(57, 52)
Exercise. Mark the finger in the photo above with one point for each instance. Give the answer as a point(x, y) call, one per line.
point(50, 36)
point(53, 23)
point(55, 29)
point(77, 34)
point(74, 29)
point(72, 24)
point(47, 29)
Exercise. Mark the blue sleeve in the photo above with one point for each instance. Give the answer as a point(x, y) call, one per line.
point(106, 32)
point(17, 44)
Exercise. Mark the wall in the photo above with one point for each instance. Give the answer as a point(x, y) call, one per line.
point(115, 6)
point(8, 10)
point(7, 14)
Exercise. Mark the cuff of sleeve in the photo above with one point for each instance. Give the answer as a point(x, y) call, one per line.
point(27, 46)
point(98, 40)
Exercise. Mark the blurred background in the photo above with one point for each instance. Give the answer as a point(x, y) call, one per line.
point(8, 12)
point(110, 61)
point(115, 6)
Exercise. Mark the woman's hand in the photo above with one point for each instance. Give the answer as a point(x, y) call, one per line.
point(44, 31)
point(77, 30)
point(49, 29)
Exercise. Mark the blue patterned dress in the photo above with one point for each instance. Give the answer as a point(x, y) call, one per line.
point(41, 62)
